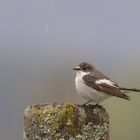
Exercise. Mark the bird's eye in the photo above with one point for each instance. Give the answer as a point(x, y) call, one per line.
point(84, 69)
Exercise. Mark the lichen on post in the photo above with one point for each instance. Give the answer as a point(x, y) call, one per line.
point(66, 122)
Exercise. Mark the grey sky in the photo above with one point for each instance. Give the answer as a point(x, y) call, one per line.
point(40, 42)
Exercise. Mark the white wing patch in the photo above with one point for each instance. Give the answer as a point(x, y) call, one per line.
point(106, 81)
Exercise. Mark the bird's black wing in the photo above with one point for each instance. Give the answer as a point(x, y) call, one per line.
point(113, 89)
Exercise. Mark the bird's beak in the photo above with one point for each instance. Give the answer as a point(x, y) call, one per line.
point(76, 68)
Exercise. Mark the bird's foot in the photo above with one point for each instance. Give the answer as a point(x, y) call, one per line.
point(86, 103)
point(97, 105)
point(91, 105)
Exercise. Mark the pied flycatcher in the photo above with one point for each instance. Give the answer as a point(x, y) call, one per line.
point(95, 86)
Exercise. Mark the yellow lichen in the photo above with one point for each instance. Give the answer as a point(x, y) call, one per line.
point(56, 121)
point(57, 117)
point(71, 120)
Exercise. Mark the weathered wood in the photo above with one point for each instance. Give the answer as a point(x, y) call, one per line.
point(66, 122)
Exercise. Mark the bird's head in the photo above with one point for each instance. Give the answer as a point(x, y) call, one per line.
point(84, 67)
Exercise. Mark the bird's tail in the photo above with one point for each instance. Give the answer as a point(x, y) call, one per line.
point(130, 89)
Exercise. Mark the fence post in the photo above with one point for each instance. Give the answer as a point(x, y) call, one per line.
point(66, 122)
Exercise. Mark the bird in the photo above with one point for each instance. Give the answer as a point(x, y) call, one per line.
point(95, 86)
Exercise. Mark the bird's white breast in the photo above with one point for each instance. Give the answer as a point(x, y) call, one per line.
point(86, 91)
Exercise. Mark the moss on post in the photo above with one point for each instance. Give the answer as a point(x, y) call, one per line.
point(66, 122)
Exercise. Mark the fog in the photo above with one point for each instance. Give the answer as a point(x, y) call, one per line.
point(40, 43)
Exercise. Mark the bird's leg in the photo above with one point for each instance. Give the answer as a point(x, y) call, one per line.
point(97, 105)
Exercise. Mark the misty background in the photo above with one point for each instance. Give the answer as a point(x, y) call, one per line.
point(40, 43)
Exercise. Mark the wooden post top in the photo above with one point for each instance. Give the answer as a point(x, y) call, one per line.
point(66, 122)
